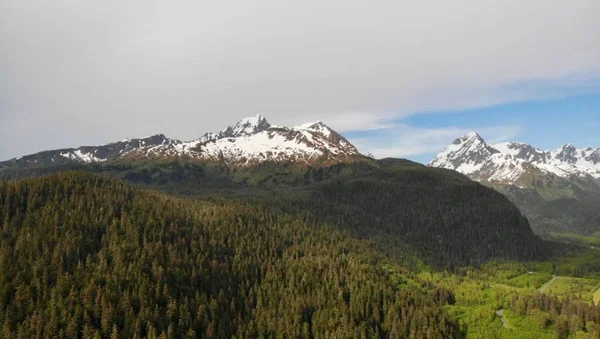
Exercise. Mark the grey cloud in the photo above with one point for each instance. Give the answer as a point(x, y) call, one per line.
point(79, 72)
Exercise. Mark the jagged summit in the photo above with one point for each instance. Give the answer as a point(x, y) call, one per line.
point(509, 162)
point(246, 126)
point(250, 141)
point(312, 125)
point(466, 154)
point(567, 153)
point(472, 136)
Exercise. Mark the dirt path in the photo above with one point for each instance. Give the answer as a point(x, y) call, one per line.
point(500, 314)
point(547, 285)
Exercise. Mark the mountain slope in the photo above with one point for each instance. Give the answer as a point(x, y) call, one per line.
point(446, 217)
point(451, 220)
point(558, 190)
point(84, 154)
point(249, 142)
point(84, 256)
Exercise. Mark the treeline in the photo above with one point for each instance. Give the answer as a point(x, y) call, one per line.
point(83, 256)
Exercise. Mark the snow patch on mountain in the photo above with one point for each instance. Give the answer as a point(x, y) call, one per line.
point(78, 155)
point(318, 127)
point(508, 162)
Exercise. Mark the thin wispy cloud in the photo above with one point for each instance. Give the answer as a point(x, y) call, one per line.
point(406, 141)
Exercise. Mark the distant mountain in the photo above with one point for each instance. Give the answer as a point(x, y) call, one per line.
point(568, 178)
point(249, 142)
point(511, 162)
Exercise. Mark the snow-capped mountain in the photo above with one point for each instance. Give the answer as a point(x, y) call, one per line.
point(516, 162)
point(558, 191)
point(250, 141)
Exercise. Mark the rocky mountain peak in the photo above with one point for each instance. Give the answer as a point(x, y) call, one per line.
point(508, 162)
point(469, 150)
point(567, 153)
point(323, 130)
point(593, 156)
point(473, 142)
point(472, 136)
point(318, 126)
point(522, 151)
point(245, 127)
point(250, 141)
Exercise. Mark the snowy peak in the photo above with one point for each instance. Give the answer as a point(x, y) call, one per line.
point(509, 162)
point(472, 136)
point(253, 140)
point(592, 155)
point(250, 141)
point(322, 130)
point(316, 127)
point(522, 151)
point(259, 141)
point(466, 154)
point(470, 141)
point(245, 127)
point(566, 153)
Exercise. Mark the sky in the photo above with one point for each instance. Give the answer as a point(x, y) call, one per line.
point(398, 78)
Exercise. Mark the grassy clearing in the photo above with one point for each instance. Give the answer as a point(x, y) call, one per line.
point(597, 297)
point(483, 298)
point(577, 239)
point(586, 289)
point(530, 280)
point(547, 285)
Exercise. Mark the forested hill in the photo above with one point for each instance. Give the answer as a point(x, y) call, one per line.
point(86, 256)
point(447, 218)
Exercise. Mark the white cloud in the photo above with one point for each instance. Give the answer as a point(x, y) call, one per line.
point(93, 72)
point(405, 141)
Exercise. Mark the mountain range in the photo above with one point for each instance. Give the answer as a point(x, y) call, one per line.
point(558, 190)
point(313, 169)
point(249, 142)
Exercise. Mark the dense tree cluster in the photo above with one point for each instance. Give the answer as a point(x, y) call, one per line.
point(568, 315)
point(446, 217)
point(83, 256)
point(571, 209)
point(442, 215)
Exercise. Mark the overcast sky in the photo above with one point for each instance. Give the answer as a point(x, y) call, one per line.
point(83, 73)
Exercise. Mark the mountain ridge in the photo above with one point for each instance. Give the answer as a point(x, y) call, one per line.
point(558, 190)
point(509, 162)
point(250, 141)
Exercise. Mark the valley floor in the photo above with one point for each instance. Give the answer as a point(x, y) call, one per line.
point(497, 301)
